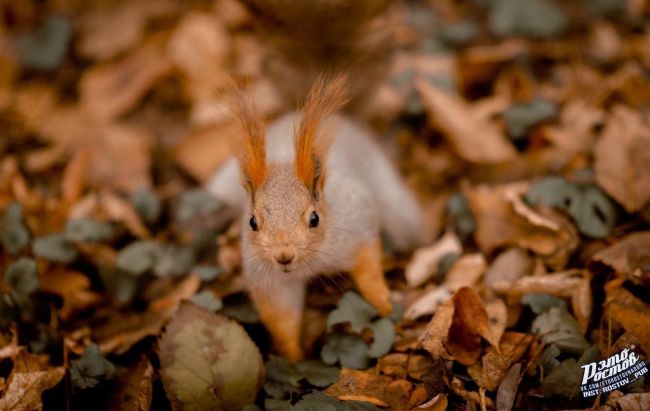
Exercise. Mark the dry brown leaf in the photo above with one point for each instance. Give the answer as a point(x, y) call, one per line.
point(628, 257)
point(547, 234)
point(73, 287)
point(121, 157)
point(203, 150)
point(106, 32)
point(466, 271)
point(629, 311)
point(200, 48)
point(425, 260)
point(508, 266)
point(433, 338)
point(562, 284)
point(120, 332)
point(109, 91)
point(490, 371)
point(497, 312)
point(581, 302)
point(120, 210)
point(622, 158)
point(74, 176)
point(30, 376)
point(475, 139)
point(470, 323)
point(379, 388)
point(458, 387)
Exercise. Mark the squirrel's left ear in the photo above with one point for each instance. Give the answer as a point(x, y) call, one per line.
point(252, 152)
point(326, 96)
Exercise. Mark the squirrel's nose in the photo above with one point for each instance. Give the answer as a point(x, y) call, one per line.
point(284, 257)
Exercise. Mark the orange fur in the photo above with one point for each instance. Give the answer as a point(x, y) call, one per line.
point(325, 97)
point(251, 153)
point(368, 276)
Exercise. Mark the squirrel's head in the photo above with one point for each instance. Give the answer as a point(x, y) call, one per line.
point(288, 213)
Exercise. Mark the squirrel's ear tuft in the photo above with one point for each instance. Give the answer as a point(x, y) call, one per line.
point(251, 153)
point(327, 95)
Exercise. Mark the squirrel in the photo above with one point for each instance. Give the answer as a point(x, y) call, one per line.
point(314, 191)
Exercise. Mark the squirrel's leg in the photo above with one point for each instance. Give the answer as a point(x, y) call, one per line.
point(280, 306)
point(368, 276)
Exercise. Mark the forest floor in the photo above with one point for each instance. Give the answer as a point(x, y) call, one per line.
point(523, 125)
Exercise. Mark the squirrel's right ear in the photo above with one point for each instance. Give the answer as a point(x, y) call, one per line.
point(327, 95)
point(251, 153)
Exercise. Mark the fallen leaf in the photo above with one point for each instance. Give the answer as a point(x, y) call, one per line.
point(628, 257)
point(508, 267)
point(433, 339)
point(464, 272)
point(622, 158)
point(73, 287)
point(475, 139)
point(203, 150)
point(30, 376)
point(200, 47)
point(109, 91)
point(495, 364)
point(470, 322)
point(373, 387)
point(507, 391)
point(560, 328)
point(499, 224)
point(425, 261)
point(208, 361)
point(561, 284)
point(106, 32)
point(632, 313)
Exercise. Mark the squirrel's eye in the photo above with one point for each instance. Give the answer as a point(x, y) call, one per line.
point(313, 220)
point(253, 223)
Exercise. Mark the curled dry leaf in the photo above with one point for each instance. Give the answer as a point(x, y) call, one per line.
point(628, 257)
point(498, 224)
point(30, 376)
point(208, 362)
point(469, 324)
point(629, 311)
point(425, 261)
point(475, 139)
point(465, 271)
point(622, 158)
